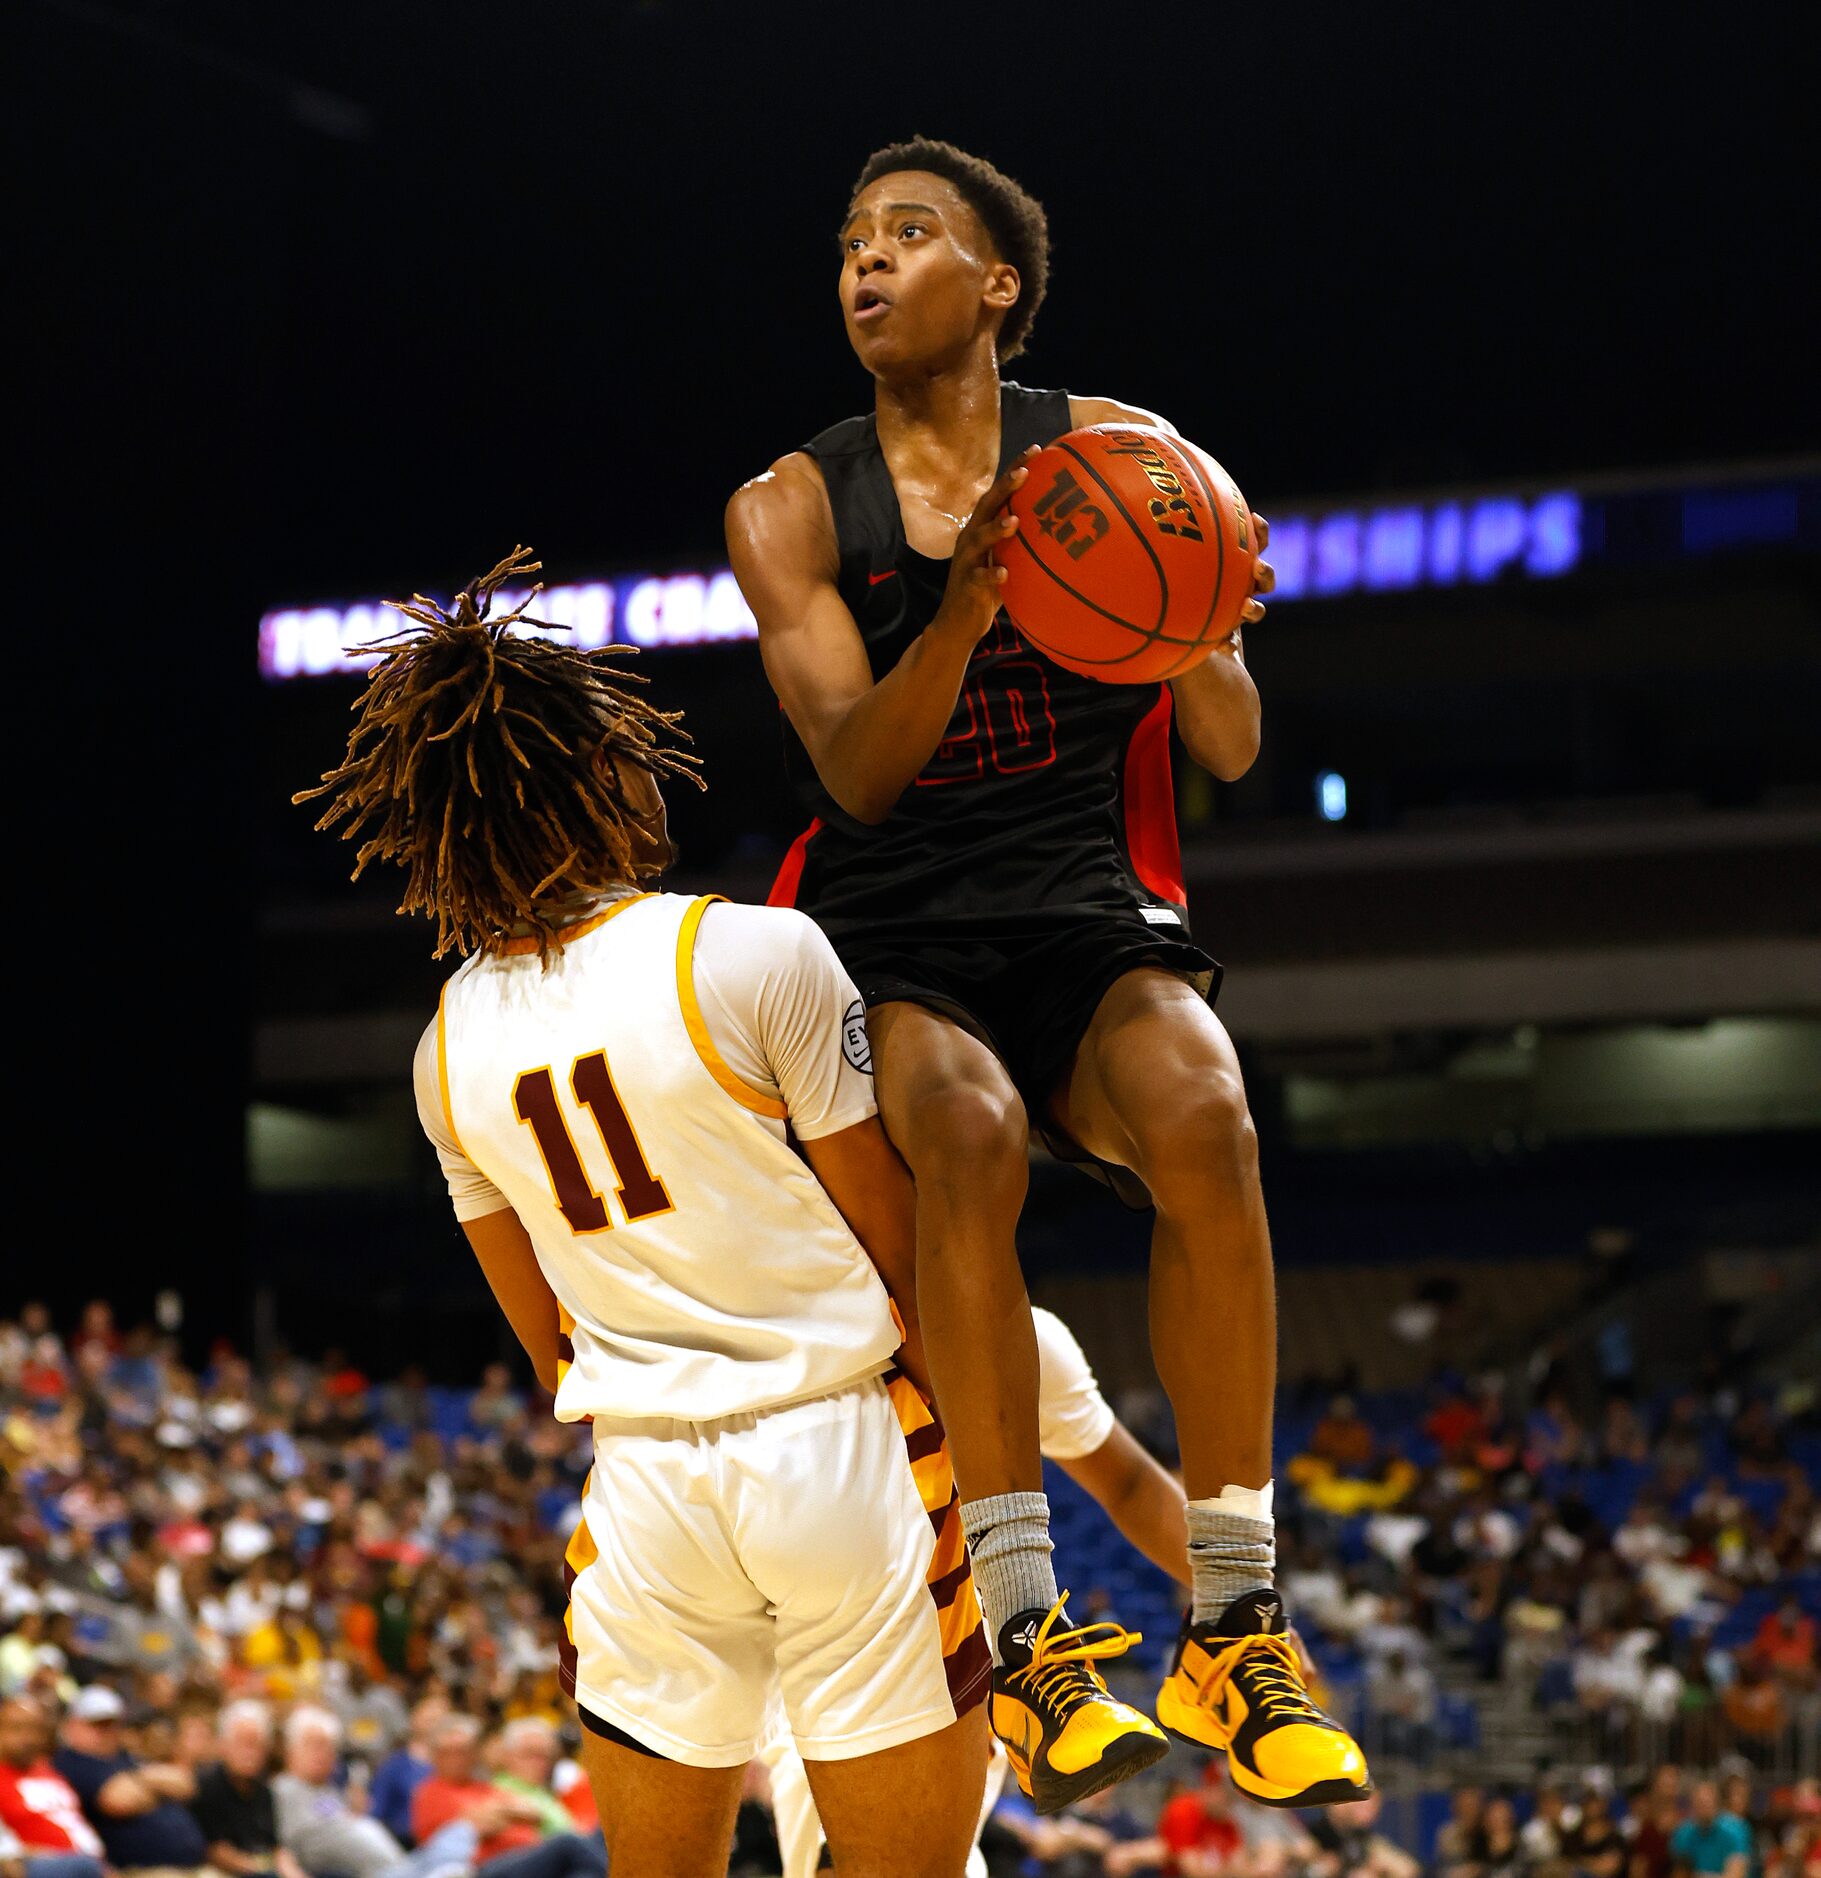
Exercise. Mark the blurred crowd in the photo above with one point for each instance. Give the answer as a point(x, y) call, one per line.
point(301, 1622)
point(1671, 1825)
point(1648, 1583)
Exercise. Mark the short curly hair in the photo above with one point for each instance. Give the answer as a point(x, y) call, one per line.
point(1013, 218)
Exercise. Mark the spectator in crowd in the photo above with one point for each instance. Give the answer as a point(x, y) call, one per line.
point(1594, 1845)
point(1753, 1706)
point(1199, 1833)
point(1094, 1838)
point(521, 1836)
point(1454, 1842)
point(529, 1749)
point(140, 1809)
point(1544, 1837)
point(373, 1715)
point(41, 1819)
point(1277, 1843)
point(26, 1650)
point(1785, 1645)
point(233, 1803)
point(1401, 1700)
point(1497, 1850)
point(1349, 1845)
point(398, 1777)
point(1343, 1438)
point(1711, 1843)
point(325, 1834)
point(301, 1534)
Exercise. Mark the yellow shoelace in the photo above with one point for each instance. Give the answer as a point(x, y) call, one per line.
point(1062, 1659)
point(1276, 1668)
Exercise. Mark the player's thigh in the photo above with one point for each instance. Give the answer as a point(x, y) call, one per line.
point(911, 1811)
point(661, 1819)
point(943, 1094)
point(1155, 1073)
point(880, 1640)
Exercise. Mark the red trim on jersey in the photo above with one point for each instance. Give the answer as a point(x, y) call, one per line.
point(784, 888)
point(1150, 806)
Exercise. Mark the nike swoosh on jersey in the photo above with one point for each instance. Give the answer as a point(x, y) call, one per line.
point(873, 580)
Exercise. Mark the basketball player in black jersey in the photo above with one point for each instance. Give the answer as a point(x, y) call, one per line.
point(993, 853)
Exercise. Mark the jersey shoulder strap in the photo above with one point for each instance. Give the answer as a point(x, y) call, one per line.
point(861, 498)
point(1028, 417)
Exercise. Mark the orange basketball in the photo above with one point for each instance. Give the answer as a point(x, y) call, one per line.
point(1133, 556)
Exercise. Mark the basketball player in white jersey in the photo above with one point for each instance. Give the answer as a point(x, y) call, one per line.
point(1080, 1433)
point(612, 1082)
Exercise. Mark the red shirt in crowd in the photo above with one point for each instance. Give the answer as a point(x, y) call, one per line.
point(1186, 1825)
point(1778, 1648)
point(40, 1809)
point(438, 1801)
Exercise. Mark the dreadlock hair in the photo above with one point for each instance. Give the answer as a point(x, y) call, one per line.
point(476, 765)
point(1012, 217)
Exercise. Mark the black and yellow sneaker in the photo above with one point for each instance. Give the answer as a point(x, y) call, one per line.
point(1238, 1684)
point(1064, 1734)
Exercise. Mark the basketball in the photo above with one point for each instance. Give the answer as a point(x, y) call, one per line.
point(1133, 556)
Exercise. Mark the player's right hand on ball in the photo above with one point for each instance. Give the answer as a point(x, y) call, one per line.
point(971, 602)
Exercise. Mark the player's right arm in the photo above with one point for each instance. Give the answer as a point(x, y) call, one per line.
point(868, 740)
point(493, 1230)
point(509, 1264)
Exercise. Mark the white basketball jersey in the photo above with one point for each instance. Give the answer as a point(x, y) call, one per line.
point(700, 1268)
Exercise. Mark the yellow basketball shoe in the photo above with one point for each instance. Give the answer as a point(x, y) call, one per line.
point(1238, 1684)
point(1064, 1734)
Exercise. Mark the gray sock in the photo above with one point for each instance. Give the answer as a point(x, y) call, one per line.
point(1008, 1537)
point(1229, 1555)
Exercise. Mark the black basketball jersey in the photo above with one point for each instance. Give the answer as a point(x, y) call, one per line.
point(1048, 790)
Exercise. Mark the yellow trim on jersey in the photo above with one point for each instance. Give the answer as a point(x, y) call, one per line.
point(442, 1070)
point(565, 1326)
point(581, 1551)
point(518, 947)
point(959, 1619)
point(760, 1102)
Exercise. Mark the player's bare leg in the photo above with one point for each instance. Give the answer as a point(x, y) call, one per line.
point(1156, 1087)
point(909, 1812)
point(660, 1818)
point(953, 1114)
point(950, 1107)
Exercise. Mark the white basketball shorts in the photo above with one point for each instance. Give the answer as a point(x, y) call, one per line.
point(814, 1550)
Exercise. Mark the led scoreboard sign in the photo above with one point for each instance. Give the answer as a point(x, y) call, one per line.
point(1321, 553)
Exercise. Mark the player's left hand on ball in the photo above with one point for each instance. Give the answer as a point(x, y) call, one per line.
point(1264, 575)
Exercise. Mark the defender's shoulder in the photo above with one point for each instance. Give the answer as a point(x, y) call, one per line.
point(1086, 411)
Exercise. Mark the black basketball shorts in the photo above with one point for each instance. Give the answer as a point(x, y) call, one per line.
point(1027, 984)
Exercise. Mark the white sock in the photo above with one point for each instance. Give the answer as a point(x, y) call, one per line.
point(1232, 1548)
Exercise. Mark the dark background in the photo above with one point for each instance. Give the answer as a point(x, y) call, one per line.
point(348, 299)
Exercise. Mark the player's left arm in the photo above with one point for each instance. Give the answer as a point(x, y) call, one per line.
point(1080, 1433)
point(1139, 1496)
point(1217, 710)
point(770, 985)
point(871, 1187)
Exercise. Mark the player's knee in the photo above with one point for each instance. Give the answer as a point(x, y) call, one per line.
point(961, 1131)
point(1204, 1139)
